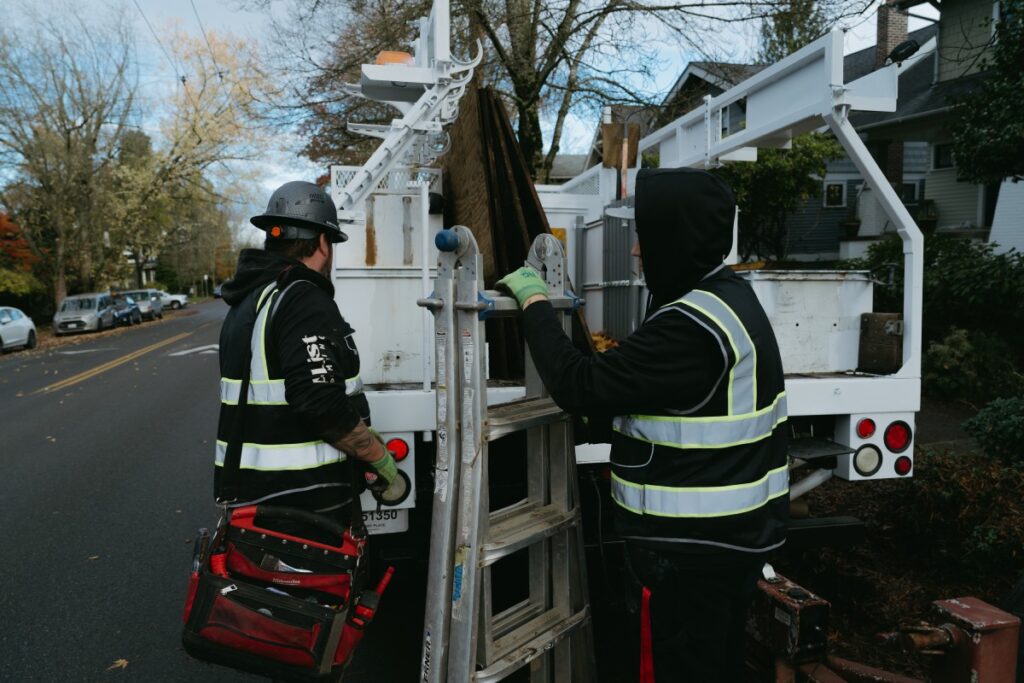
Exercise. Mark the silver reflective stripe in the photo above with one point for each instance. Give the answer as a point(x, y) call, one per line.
point(700, 501)
point(276, 457)
point(742, 375)
point(354, 386)
point(703, 432)
point(268, 392)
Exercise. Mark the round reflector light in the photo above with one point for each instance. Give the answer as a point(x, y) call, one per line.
point(866, 428)
point(867, 460)
point(399, 449)
point(903, 465)
point(897, 437)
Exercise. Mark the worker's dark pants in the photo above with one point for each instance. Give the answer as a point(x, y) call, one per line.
point(698, 610)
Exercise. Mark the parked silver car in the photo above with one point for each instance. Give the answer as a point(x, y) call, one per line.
point(150, 304)
point(83, 312)
point(16, 329)
point(173, 301)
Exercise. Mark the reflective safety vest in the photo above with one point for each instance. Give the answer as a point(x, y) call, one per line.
point(717, 474)
point(279, 456)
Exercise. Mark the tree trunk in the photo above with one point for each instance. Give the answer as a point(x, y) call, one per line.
point(139, 263)
point(60, 285)
point(531, 141)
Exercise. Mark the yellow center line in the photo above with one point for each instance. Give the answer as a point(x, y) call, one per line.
point(82, 376)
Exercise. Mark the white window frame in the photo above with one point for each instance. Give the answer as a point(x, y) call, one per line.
point(824, 194)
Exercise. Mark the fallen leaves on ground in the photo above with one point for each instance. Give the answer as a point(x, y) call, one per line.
point(118, 664)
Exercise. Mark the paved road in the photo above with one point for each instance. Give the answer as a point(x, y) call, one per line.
point(105, 474)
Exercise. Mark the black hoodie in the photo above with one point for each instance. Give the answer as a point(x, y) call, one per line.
point(675, 363)
point(684, 221)
point(309, 345)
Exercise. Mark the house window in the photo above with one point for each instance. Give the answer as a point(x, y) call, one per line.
point(942, 156)
point(834, 195)
point(908, 193)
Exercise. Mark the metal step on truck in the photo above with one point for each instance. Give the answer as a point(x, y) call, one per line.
point(849, 421)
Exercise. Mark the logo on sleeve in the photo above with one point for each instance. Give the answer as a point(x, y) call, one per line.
point(320, 365)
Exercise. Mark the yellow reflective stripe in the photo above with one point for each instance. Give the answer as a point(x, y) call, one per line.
point(280, 457)
point(732, 345)
point(700, 501)
point(750, 342)
point(717, 431)
point(269, 392)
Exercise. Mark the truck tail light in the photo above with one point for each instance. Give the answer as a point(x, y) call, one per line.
point(903, 465)
point(897, 437)
point(399, 449)
point(866, 428)
point(867, 461)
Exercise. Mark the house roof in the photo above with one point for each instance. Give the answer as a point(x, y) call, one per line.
point(919, 96)
point(723, 75)
point(862, 62)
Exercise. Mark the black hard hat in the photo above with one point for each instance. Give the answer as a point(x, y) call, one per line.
point(299, 210)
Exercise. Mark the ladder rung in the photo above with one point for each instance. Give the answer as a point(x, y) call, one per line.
point(529, 525)
point(530, 641)
point(514, 416)
point(494, 303)
point(509, 619)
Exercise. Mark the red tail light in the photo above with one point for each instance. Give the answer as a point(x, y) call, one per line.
point(903, 465)
point(866, 428)
point(897, 437)
point(399, 449)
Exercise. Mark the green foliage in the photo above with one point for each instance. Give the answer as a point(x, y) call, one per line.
point(973, 367)
point(999, 429)
point(794, 24)
point(773, 186)
point(17, 283)
point(987, 126)
point(966, 284)
point(969, 507)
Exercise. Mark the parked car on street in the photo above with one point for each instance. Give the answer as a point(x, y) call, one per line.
point(150, 304)
point(173, 301)
point(83, 312)
point(16, 329)
point(126, 311)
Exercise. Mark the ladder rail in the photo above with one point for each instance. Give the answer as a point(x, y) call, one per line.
point(433, 663)
point(549, 631)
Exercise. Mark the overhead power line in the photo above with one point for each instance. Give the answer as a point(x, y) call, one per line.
point(202, 29)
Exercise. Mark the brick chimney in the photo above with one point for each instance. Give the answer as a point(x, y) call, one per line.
point(891, 30)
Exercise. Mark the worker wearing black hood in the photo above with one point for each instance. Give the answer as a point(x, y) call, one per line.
point(697, 403)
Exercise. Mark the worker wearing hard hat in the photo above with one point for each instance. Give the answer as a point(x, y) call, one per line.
point(284, 339)
point(697, 403)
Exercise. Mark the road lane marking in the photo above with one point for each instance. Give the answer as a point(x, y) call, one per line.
point(76, 353)
point(209, 348)
point(82, 376)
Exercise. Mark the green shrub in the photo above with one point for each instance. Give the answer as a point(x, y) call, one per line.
point(966, 284)
point(973, 367)
point(999, 429)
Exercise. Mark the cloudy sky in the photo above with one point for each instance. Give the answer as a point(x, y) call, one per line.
point(282, 163)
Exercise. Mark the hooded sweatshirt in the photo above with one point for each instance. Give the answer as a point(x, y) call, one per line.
point(310, 346)
point(675, 363)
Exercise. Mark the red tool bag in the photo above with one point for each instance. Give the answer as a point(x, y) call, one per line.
point(278, 604)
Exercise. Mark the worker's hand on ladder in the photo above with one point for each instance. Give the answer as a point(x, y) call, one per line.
point(524, 284)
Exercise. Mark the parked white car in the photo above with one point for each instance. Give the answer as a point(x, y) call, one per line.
point(84, 312)
point(16, 329)
point(173, 301)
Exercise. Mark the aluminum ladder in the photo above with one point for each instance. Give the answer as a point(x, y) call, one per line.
point(464, 640)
